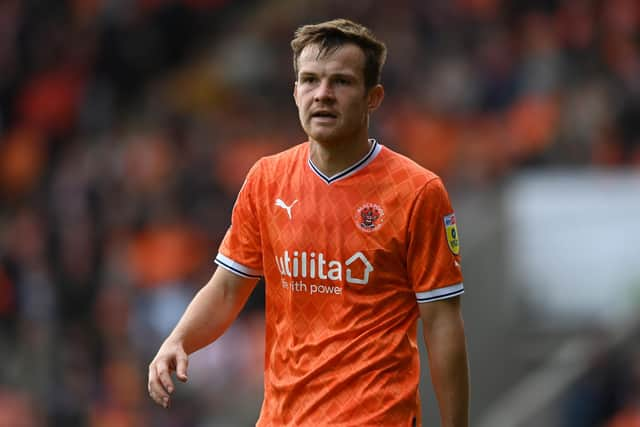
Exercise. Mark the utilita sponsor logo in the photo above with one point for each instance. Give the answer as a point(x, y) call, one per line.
point(316, 266)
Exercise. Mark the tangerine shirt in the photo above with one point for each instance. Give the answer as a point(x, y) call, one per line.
point(346, 260)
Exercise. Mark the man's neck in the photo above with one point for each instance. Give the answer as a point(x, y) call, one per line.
point(331, 159)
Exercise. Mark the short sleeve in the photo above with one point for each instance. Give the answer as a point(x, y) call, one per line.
point(240, 250)
point(433, 256)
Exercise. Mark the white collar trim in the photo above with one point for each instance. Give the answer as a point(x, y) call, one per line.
point(359, 165)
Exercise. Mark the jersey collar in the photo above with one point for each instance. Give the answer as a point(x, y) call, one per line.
point(360, 164)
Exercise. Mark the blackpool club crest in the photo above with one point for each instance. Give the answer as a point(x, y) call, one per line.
point(452, 233)
point(369, 217)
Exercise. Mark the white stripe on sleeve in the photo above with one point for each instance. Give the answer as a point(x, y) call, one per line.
point(440, 293)
point(236, 267)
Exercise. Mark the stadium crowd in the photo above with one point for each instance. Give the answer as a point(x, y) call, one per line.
point(126, 129)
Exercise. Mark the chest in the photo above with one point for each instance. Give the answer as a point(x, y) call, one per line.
point(342, 233)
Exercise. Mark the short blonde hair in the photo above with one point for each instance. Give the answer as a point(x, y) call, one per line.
point(330, 35)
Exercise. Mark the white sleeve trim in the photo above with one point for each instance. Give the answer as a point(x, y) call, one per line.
point(237, 268)
point(440, 293)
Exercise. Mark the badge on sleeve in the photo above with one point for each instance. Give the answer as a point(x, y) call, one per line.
point(452, 233)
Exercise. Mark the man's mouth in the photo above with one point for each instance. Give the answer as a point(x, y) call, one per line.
point(323, 115)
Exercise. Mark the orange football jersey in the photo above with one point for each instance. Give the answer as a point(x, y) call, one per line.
point(346, 260)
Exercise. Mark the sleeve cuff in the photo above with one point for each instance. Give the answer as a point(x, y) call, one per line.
point(440, 293)
point(237, 268)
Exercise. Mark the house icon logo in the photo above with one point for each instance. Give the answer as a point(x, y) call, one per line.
point(368, 268)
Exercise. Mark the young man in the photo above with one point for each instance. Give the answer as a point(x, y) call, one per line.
point(355, 243)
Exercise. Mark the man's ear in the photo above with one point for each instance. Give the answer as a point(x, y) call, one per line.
point(295, 92)
point(375, 97)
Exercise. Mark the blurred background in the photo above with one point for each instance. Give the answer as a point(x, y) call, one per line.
point(126, 129)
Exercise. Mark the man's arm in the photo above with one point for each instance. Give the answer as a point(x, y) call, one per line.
point(443, 330)
point(209, 314)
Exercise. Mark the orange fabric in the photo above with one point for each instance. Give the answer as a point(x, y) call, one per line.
point(532, 122)
point(165, 254)
point(484, 155)
point(431, 141)
point(344, 264)
point(22, 159)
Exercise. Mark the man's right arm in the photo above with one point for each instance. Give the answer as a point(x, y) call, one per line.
point(207, 317)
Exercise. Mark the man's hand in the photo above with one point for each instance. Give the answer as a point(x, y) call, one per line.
point(206, 318)
point(170, 358)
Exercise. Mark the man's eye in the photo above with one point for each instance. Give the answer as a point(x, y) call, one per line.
point(343, 81)
point(307, 79)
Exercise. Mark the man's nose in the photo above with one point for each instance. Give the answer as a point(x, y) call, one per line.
point(324, 91)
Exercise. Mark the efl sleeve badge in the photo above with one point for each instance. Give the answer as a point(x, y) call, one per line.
point(452, 233)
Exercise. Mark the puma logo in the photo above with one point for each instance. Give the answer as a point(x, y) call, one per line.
point(284, 206)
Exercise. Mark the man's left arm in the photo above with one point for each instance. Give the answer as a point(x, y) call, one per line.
point(443, 330)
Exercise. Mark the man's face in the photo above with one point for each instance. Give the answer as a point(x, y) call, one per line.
point(333, 104)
